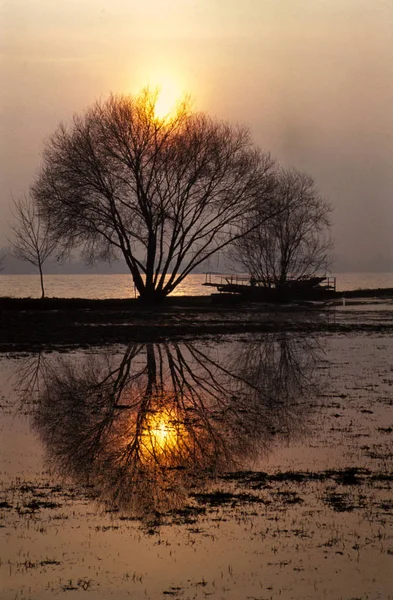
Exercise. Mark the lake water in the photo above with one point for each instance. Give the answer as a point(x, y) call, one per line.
point(121, 286)
point(254, 466)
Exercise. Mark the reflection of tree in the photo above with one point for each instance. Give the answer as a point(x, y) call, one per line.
point(283, 370)
point(146, 427)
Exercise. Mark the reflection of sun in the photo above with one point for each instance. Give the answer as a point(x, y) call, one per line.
point(162, 434)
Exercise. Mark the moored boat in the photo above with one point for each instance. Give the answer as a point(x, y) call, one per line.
point(292, 289)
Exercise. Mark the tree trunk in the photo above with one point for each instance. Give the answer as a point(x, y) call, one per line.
point(151, 296)
point(41, 281)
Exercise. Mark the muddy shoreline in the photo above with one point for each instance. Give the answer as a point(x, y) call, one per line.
point(32, 324)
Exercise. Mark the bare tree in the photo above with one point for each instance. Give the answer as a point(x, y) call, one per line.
point(293, 245)
point(33, 239)
point(164, 193)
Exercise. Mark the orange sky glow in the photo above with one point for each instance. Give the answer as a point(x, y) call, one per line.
point(312, 80)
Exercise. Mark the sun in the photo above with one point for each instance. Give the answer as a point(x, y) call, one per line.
point(168, 98)
point(169, 90)
point(166, 88)
point(170, 87)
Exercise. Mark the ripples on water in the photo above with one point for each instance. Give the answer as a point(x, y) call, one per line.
point(121, 286)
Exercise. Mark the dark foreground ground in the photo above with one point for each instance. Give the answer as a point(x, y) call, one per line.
point(28, 324)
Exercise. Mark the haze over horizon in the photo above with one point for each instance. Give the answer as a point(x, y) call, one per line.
point(312, 80)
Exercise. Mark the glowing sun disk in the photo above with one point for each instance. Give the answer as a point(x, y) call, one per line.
point(167, 101)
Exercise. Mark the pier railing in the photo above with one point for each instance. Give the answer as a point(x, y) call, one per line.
point(225, 278)
point(222, 279)
point(329, 283)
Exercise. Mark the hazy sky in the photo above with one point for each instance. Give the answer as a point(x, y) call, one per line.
point(313, 79)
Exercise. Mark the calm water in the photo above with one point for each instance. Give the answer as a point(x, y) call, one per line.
point(121, 286)
point(250, 467)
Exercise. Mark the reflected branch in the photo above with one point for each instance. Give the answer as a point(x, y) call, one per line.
point(146, 426)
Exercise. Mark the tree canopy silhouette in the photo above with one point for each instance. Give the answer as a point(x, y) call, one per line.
point(295, 243)
point(166, 194)
point(147, 427)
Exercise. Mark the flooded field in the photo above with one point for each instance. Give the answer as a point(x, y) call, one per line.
point(255, 466)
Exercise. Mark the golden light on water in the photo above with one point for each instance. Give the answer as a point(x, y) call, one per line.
point(163, 435)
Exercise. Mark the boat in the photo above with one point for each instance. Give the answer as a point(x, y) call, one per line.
point(249, 288)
